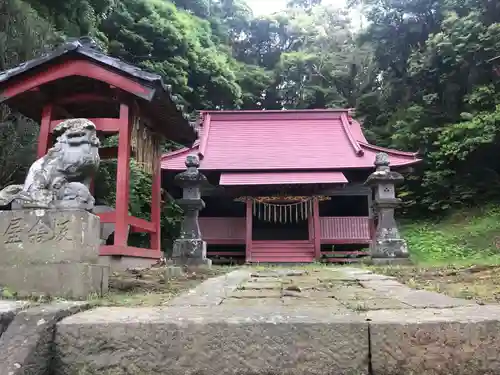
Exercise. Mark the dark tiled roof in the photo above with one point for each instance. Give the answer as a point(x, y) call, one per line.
point(87, 48)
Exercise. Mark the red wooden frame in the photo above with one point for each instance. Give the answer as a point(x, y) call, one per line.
point(81, 68)
point(249, 231)
point(121, 126)
point(317, 229)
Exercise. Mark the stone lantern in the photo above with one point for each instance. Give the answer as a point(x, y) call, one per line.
point(387, 246)
point(189, 248)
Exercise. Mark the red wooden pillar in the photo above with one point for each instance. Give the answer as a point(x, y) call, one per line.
point(44, 135)
point(317, 229)
point(123, 178)
point(248, 232)
point(155, 238)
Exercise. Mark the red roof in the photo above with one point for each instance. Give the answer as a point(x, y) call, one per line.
point(283, 140)
point(281, 178)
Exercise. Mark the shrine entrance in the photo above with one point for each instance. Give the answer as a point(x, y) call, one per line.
point(281, 218)
point(280, 231)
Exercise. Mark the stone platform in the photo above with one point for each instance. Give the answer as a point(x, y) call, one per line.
point(314, 321)
point(303, 321)
point(52, 253)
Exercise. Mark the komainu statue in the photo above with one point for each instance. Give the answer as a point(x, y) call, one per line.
point(60, 179)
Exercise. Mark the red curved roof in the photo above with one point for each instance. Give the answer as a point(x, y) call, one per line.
point(283, 140)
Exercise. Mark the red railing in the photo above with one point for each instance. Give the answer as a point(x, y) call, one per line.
point(345, 230)
point(223, 230)
point(333, 230)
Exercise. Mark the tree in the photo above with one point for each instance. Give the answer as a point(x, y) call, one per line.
point(23, 35)
point(327, 69)
point(155, 35)
point(437, 93)
point(74, 17)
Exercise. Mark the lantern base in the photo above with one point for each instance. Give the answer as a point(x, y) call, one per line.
point(390, 248)
point(190, 252)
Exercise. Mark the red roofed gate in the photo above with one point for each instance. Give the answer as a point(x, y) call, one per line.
point(77, 80)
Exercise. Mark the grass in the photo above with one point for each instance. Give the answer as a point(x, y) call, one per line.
point(480, 283)
point(458, 256)
point(464, 238)
point(149, 287)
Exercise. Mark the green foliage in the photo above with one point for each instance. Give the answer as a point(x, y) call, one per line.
point(23, 33)
point(74, 17)
point(156, 35)
point(18, 136)
point(438, 95)
point(468, 236)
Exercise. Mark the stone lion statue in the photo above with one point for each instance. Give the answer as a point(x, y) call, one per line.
point(61, 178)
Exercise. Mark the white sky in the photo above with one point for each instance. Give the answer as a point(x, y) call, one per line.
point(261, 7)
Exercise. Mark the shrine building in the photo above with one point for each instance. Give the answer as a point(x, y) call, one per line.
point(284, 186)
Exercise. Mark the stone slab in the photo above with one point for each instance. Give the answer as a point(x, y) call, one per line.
point(250, 302)
point(267, 280)
point(67, 280)
point(415, 298)
point(260, 286)
point(333, 306)
point(345, 293)
point(277, 273)
point(264, 293)
point(26, 346)
point(319, 333)
point(212, 291)
point(458, 341)
point(48, 236)
point(8, 310)
point(375, 304)
point(209, 341)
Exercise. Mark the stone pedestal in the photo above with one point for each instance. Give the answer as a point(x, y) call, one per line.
point(51, 252)
point(190, 249)
point(190, 252)
point(387, 246)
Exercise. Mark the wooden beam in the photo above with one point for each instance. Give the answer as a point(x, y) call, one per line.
point(123, 178)
point(85, 97)
point(155, 238)
point(348, 190)
point(80, 68)
point(43, 136)
point(317, 229)
point(248, 234)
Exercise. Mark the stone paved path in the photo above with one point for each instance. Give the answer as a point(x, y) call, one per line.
point(297, 321)
point(341, 290)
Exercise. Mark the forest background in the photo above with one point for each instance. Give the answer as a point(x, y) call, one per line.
point(422, 75)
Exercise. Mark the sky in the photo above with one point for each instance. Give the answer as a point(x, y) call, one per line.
point(261, 7)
